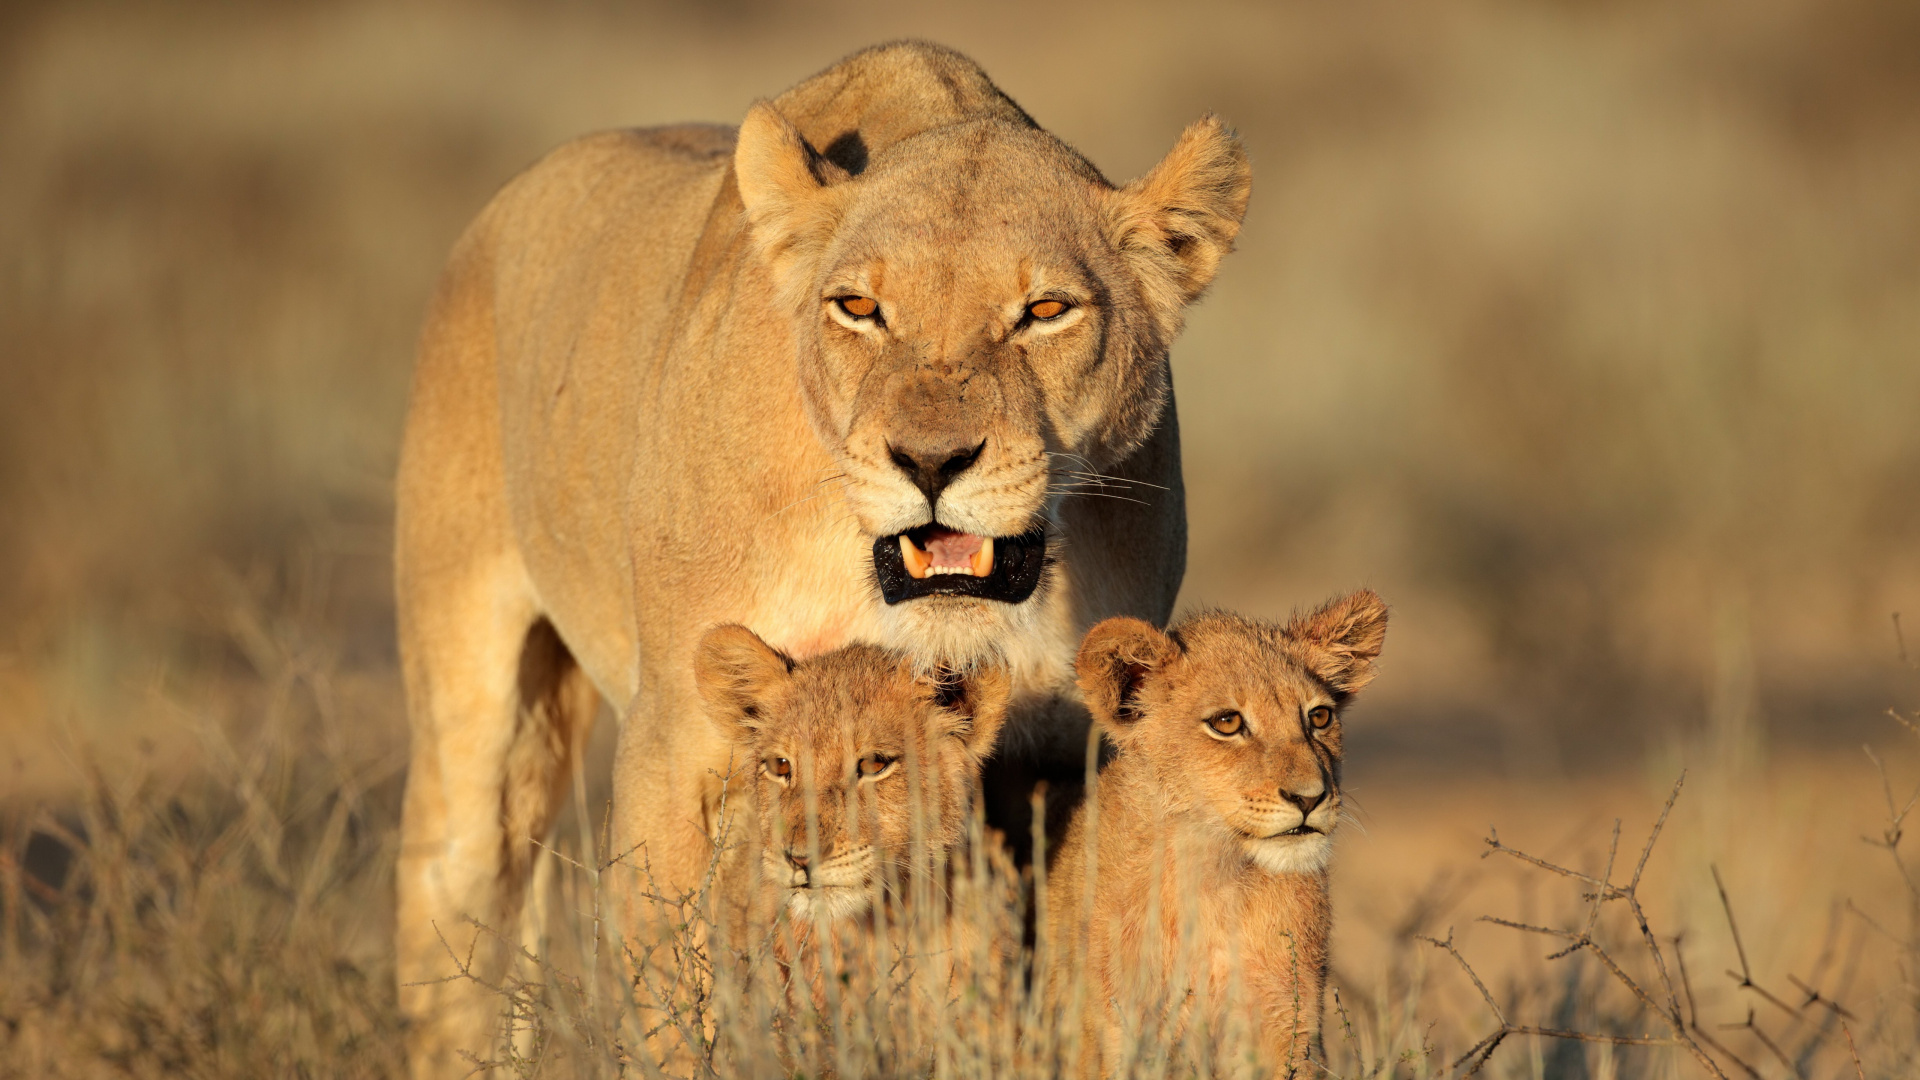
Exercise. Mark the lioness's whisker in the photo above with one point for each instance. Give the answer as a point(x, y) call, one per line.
point(1096, 494)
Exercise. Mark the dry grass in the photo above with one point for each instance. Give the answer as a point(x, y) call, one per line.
point(234, 922)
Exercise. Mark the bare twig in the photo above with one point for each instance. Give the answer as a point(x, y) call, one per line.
point(1814, 998)
point(1743, 979)
point(1693, 1017)
point(1683, 1031)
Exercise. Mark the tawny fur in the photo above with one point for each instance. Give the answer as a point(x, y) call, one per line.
point(635, 415)
point(818, 848)
point(1196, 889)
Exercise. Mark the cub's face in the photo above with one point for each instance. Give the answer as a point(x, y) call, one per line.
point(840, 753)
point(981, 324)
point(1239, 721)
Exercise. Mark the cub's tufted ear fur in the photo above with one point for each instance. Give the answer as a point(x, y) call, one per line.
point(1176, 223)
point(785, 186)
point(1115, 660)
point(737, 674)
point(1343, 638)
point(978, 698)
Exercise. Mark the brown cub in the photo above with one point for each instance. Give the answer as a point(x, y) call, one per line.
point(853, 738)
point(1214, 825)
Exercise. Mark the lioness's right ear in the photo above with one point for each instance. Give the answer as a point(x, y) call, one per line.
point(784, 187)
point(737, 673)
point(1115, 660)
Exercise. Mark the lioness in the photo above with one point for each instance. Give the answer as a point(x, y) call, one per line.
point(1214, 826)
point(836, 376)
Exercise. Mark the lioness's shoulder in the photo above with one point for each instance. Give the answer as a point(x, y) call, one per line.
point(599, 187)
point(674, 149)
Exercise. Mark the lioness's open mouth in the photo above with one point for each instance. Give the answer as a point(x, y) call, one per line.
point(934, 560)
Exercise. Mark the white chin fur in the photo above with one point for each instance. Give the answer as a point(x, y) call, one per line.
point(830, 902)
point(963, 630)
point(1291, 854)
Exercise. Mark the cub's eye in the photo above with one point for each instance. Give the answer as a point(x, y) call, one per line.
point(1320, 716)
point(1226, 725)
point(860, 307)
point(778, 767)
point(1046, 310)
point(873, 765)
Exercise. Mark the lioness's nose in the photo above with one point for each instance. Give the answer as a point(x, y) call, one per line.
point(933, 467)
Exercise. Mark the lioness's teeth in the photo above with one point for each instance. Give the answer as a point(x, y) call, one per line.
point(918, 562)
point(982, 562)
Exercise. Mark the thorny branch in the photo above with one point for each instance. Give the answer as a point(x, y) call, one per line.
point(1663, 1000)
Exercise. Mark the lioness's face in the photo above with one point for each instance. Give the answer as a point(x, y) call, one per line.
point(982, 325)
point(840, 753)
point(1240, 720)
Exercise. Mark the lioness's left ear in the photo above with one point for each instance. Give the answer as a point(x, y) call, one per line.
point(1177, 222)
point(784, 185)
point(980, 694)
point(1343, 639)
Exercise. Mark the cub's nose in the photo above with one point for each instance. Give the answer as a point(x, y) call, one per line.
point(1306, 799)
point(933, 466)
point(797, 859)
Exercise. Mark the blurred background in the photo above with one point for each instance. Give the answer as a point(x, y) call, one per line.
point(1587, 333)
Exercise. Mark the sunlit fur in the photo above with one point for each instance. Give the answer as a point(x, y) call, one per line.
point(824, 715)
point(1199, 827)
point(954, 233)
point(635, 416)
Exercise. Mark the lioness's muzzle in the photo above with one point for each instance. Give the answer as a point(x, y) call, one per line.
point(933, 560)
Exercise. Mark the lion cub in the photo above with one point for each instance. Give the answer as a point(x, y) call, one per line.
point(848, 742)
point(1214, 827)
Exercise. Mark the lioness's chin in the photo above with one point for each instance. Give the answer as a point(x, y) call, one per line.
point(960, 630)
point(830, 902)
point(1304, 854)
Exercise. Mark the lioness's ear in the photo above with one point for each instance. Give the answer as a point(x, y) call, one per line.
point(737, 673)
point(1176, 223)
point(980, 695)
point(1116, 657)
point(783, 185)
point(1343, 639)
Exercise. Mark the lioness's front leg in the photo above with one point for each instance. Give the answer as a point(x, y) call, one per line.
point(668, 767)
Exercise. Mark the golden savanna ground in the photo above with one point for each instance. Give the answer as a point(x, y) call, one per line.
point(1585, 334)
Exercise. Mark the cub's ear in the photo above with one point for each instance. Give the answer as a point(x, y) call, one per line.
point(784, 185)
point(1343, 638)
point(1176, 223)
point(1115, 659)
point(737, 674)
point(979, 695)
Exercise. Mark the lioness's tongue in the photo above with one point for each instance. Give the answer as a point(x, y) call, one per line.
point(948, 552)
point(952, 549)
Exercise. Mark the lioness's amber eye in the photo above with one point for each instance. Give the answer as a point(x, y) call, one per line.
point(779, 767)
point(1227, 724)
point(860, 307)
point(874, 764)
point(1320, 715)
point(1047, 309)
